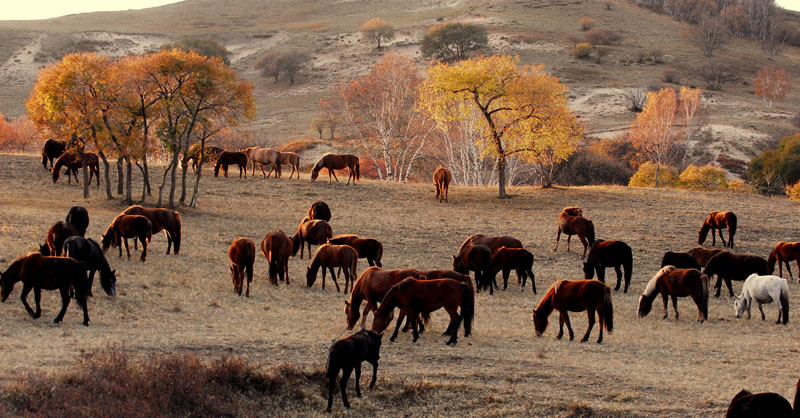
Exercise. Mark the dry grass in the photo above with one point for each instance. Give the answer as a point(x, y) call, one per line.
point(185, 304)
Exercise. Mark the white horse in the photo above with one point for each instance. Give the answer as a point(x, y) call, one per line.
point(763, 289)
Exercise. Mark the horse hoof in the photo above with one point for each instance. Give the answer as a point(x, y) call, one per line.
point(583, 340)
point(86, 324)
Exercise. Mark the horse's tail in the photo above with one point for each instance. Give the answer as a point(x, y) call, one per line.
point(44, 157)
point(467, 308)
point(773, 257)
point(358, 170)
point(176, 232)
point(277, 163)
point(704, 279)
point(56, 169)
point(785, 306)
point(149, 234)
point(608, 310)
point(379, 255)
point(731, 219)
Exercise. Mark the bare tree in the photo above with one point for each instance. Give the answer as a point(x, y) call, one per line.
point(710, 34)
point(717, 75)
point(636, 97)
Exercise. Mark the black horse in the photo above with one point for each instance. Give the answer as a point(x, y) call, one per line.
point(89, 252)
point(348, 354)
point(78, 216)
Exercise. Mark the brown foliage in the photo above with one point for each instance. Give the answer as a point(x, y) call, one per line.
point(18, 135)
point(601, 36)
point(771, 85)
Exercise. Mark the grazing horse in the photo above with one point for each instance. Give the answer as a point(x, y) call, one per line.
point(676, 283)
point(128, 226)
point(51, 150)
point(421, 297)
point(519, 259)
point(78, 216)
point(316, 232)
point(319, 210)
point(576, 296)
point(679, 260)
point(162, 219)
point(348, 354)
point(264, 157)
point(494, 243)
point(718, 221)
point(56, 236)
point(89, 252)
point(604, 254)
point(783, 253)
point(702, 255)
point(38, 272)
point(729, 267)
point(441, 179)
point(242, 254)
point(368, 248)
point(292, 159)
point(338, 162)
point(330, 256)
point(73, 161)
point(477, 258)
point(193, 155)
point(277, 247)
point(763, 289)
point(746, 404)
point(571, 222)
point(227, 158)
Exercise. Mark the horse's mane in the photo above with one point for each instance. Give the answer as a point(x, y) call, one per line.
point(15, 264)
point(651, 285)
point(573, 210)
point(546, 304)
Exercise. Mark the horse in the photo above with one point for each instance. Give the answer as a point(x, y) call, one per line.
point(242, 254)
point(571, 222)
point(276, 248)
point(231, 157)
point(319, 210)
point(477, 258)
point(679, 260)
point(348, 354)
point(763, 289)
point(368, 248)
point(78, 216)
point(193, 155)
point(89, 252)
point(718, 221)
point(783, 253)
point(670, 281)
point(315, 231)
point(576, 296)
point(337, 162)
point(161, 219)
point(264, 157)
point(493, 242)
point(73, 161)
point(441, 179)
point(292, 159)
point(746, 404)
point(330, 256)
point(519, 259)
point(38, 272)
point(729, 267)
point(702, 255)
point(128, 226)
point(51, 150)
point(421, 297)
point(56, 236)
point(604, 254)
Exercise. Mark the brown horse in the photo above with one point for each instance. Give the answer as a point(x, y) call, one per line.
point(783, 253)
point(264, 157)
point(338, 162)
point(441, 179)
point(72, 161)
point(519, 259)
point(702, 255)
point(51, 150)
point(729, 267)
point(128, 226)
point(193, 154)
point(718, 221)
point(493, 242)
point(477, 258)
point(348, 354)
point(319, 210)
point(576, 296)
point(242, 254)
point(277, 247)
point(78, 216)
point(604, 254)
point(679, 260)
point(292, 159)
point(571, 222)
point(227, 158)
point(315, 231)
point(421, 297)
point(162, 219)
point(56, 235)
point(746, 404)
point(330, 256)
point(675, 283)
point(368, 248)
point(37, 272)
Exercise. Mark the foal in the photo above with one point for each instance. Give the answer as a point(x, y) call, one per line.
point(348, 354)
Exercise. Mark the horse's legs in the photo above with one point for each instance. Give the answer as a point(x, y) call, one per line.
point(721, 238)
point(789, 269)
point(618, 269)
point(331, 386)
point(761, 309)
point(64, 304)
point(414, 316)
point(144, 248)
point(285, 270)
point(565, 314)
point(358, 379)
point(728, 284)
point(374, 374)
point(699, 302)
point(91, 281)
point(590, 313)
point(367, 308)
point(664, 297)
point(400, 316)
point(455, 324)
point(718, 286)
point(346, 370)
point(333, 276)
point(330, 171)
point(506, 273)
point(24, 297)
point(675, 306)
point(569, 238)
point(127, 250)
point(558, 236)
point(533, 280)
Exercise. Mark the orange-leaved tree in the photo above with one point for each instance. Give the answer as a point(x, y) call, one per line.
point(771, 85)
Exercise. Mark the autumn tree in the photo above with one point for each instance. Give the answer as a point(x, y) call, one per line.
point(283, 61)
point(771, 85)
point(523, 109)
point(18, 134)
point(377, 29)
point(206, 47)
point(453, 41)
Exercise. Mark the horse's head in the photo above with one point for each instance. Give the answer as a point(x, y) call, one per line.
point(739, 306)
point(645, 305)
point(44, 249)
point(107, 240)
point(352, 314)
point(588, 270)
point(458, 266)
point(109, 282)
point(216, 169)
point(539, 322)
point(381, 321)
point(703, 233)
point(311, 276)
point(314, 173)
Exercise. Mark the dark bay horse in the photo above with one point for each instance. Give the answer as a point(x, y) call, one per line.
point(679, 260)
point(89, 252)
point(571, 222)
point(337, 162)
point(37, 272)
point(718, 221)
point(277, 247)
point(262, 156)
point(78, 216)
point(242, 254)
point(784, 252)
point(518, 259)
point(675, 283)
point(702, 255)
point(421, 297)
point(319, 210)
point(128, 226)
point(56, 236)
point(368, 248)
point(746, 404)
point(477, 258)
point(227, 158)
point(729, 267)
point(348, 354)
point(441, 179)
point(162, 219)
point(604, 254)
point(51, 150)
point(72, 161)
point(316, 232)
point(329, 256)
point(493, 242)
point(576, 296)
point(194, 154)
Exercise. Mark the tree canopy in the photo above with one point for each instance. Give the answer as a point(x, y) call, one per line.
point(453, 41)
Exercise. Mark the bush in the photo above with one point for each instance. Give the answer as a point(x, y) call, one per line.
point(582, 50)
point(717, 75)
point(600, 36)
point(591, 165)
point(587, 23)
point(670, 75)
point(771, 171)
point(636, 98)
point(206, 47)
point(645, 176)
point(706, 177)
point(740, 186)
point(793, 192)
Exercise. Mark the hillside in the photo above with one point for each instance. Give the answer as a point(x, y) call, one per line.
point(737, 124)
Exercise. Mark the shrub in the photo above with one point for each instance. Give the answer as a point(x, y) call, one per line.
point(591, 165)
point(203, 46)
point(740, 186)
point(582, 50)
point(453, 41)
point(636, 98)
point(645, 176)
point(601, 36)
point(657, 55)
point(587, 23)
point(601, 52)
point(771, 171)
point(793, 192)
point(717, 75)
point(706, 177)
point(670, 75)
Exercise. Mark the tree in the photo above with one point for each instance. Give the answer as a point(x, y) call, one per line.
point(710, 34)
point(771, 171)
point(206, 47)
point(283, 61)
point(523, 110)
point(717, 75)
point(771, 85)
point(453, 41)
point(378, 30)
point(18, 134)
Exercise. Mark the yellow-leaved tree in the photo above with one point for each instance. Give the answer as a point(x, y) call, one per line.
point(523, 110)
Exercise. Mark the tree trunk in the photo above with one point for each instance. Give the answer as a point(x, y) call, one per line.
point(107, 169)
point(146, 178)
point(85, 170)
point(196, 191)
point(173, 179)
point(163, 184)
point(184, 163)
point(128, 197)
point(658, 164)
point(501, 176)
point(120, 177)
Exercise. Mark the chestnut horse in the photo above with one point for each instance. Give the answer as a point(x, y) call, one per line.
point(227, 158)
point(421, 297)
point(319, 210)
point(37, 272)
point(51, 150)
point(56, 236)
point(338, 162)
point(441, 179)
point(72, 161)
point(78, 216)
point(702, 255)
point(162, 219)
point(89, 252)
point(193, 155)
point(519, 259)
point(571, 222)
point(718, 221)
point(277, 247)
point(264, 157)
point(604, 254)
point(477, 258)
point(783, 253)
point(128, 226)
point(316, 232)
point(679, 260)
point(368, 248)
point(576, 296)
point(675, 283)
point(348, 354)
point(292, 159)
point(729, 267)
point(746, 404)
point(330, 256)
point(242, 254)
